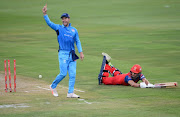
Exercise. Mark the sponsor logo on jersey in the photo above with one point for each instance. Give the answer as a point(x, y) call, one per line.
point(73, 30)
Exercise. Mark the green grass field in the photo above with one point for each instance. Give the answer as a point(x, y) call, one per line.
point(132, 32)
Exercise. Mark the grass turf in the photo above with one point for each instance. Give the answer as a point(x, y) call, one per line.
point(141, 32)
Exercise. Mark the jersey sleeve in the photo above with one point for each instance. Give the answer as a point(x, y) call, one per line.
point(51, 24)
point(78, 42)
point(142, 76)
point(127, 79)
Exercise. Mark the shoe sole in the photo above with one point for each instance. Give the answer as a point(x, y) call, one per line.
point(107, 56)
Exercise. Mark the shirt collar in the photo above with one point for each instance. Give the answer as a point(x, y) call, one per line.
point(64, 26)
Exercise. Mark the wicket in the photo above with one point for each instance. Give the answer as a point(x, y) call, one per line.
point(9, 71)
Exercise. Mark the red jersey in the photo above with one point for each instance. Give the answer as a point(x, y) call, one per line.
point(121, 79)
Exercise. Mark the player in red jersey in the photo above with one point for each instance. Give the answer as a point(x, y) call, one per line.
point(118, 78)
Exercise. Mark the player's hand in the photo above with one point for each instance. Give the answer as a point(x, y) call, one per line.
point(81, 56)
point(146, 82)
point(44, 10)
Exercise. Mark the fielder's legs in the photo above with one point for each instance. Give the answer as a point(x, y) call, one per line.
point(63, 66)
point(72, 76)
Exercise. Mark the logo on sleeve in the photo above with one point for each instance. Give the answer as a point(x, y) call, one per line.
point(73, 30)
point(129, 78)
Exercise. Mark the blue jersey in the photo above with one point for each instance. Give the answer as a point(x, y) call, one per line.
point(66, 36)
point(128, 78)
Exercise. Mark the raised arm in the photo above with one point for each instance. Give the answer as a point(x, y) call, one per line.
point(49, 23)
point(44, 10)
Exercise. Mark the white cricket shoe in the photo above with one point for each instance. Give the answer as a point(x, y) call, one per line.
point(72, 95)
point(54, 92)
point(108, 58)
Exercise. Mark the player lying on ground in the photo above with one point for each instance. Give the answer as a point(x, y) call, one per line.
point(119, 78)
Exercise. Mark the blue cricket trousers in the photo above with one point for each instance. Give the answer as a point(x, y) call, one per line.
point(66, 64)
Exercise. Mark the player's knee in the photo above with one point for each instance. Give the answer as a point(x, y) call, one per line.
point(117, 73)
point(105, 74)
point(63, 74)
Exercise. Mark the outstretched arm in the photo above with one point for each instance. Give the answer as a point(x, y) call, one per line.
point(133, 84)
point(146, 81)
point(49, 23)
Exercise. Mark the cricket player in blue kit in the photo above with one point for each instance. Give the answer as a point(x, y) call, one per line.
point(66, 36)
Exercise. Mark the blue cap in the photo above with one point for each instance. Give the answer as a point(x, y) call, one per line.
point(65, 15)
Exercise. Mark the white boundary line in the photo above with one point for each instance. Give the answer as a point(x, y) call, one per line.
point(43, 88)
point(68, 88)
point(59, 86)
point(85, 101)
point(14, 106)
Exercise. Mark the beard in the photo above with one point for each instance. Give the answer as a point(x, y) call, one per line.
point(135, 76)
point(66, 23)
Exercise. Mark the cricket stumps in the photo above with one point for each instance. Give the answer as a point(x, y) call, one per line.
point(9, 73)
